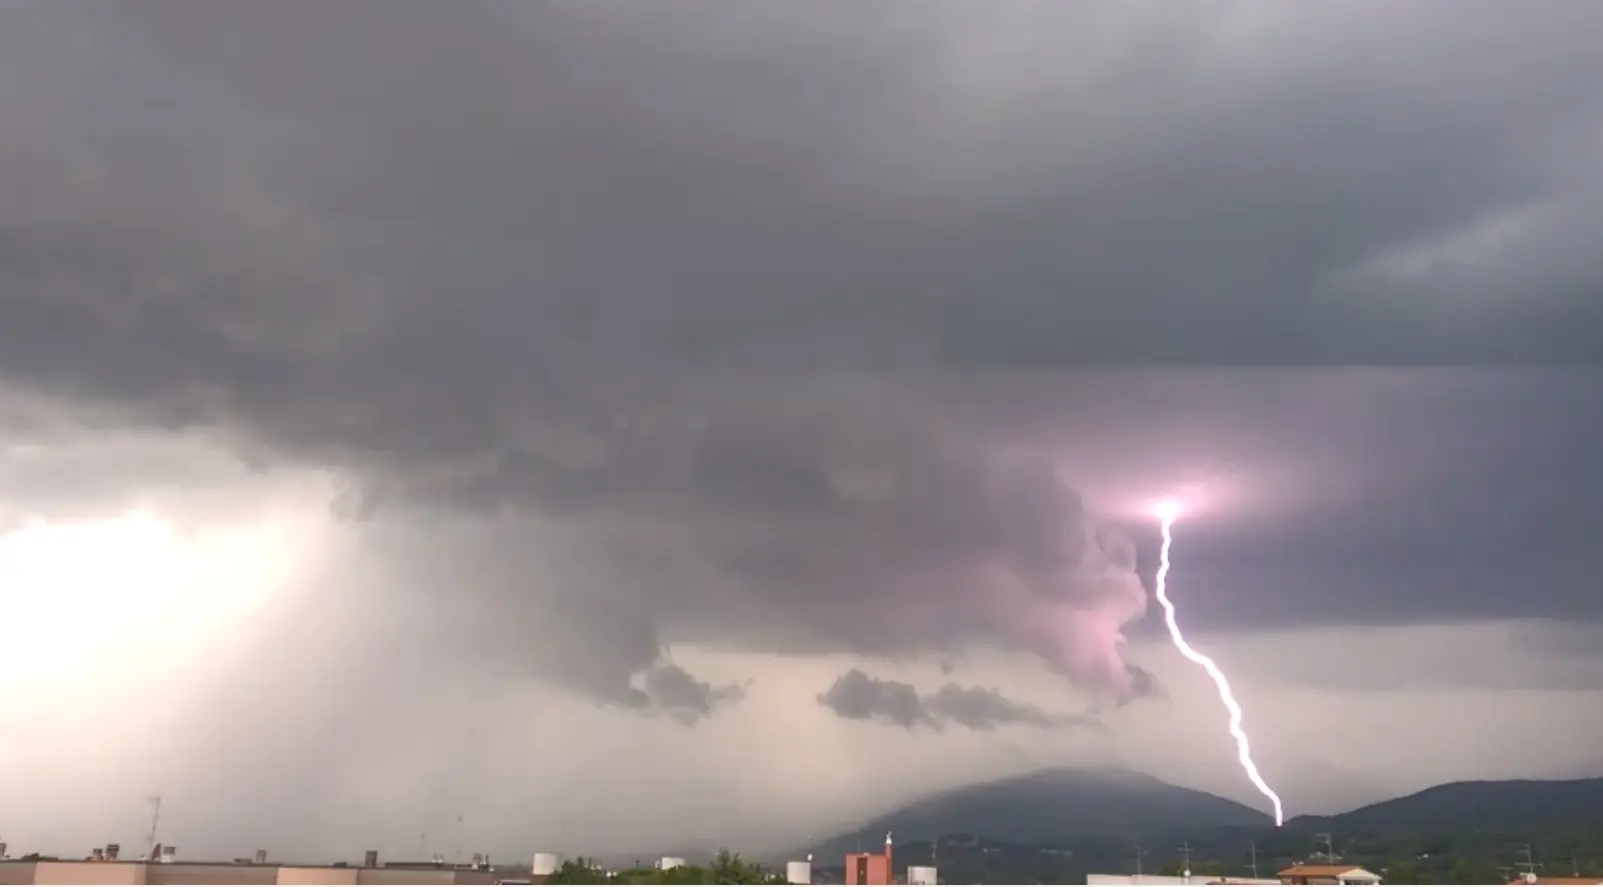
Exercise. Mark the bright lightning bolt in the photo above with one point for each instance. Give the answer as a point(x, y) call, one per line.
point(1167, 512)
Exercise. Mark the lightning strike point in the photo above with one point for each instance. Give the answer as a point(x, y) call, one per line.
point(1167, 511)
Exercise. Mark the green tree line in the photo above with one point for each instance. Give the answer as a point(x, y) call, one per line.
point(725, 868)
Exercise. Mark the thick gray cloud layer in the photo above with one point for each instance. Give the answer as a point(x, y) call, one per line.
point(717, 315)
point(859, 696)
point(698, 185)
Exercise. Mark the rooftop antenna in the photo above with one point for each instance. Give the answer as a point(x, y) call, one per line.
point(153, 834)
point(1530, 865)
point(1185, 859)
point(457, 860)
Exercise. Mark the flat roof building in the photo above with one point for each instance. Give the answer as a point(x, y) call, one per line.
point(1174, 879)
point(870, 868)
point(138, 872)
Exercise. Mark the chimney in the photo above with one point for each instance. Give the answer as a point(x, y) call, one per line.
point(113, 851)
point(478, 861)
point(97, 855)
point(261, 857)
point(890, 868)
point(370, 859)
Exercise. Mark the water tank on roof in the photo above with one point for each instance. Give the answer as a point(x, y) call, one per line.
point(798, 873)
point(544, 864)
point(921, 874)
point(671, 862)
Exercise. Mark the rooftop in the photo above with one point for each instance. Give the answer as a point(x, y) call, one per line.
point(1317, 871)
point(139, 871)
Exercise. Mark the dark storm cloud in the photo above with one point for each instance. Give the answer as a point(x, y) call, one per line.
point(686, 699)
point(985, 708)
point(858, 696)
point(690, 281)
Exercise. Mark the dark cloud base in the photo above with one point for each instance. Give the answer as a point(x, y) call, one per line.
point(857, 696)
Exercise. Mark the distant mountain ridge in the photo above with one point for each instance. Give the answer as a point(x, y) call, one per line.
point(1057, 805)
point(1459, 806)
point(1049, 805)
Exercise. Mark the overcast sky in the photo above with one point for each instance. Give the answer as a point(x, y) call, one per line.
point(641, 426)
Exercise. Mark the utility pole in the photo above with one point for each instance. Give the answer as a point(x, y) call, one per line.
point(1185, 859)
point(1253, 849)
point(1330, 847)
point(1138, 854)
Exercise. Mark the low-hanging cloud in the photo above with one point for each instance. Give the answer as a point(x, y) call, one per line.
point(859, 696)
point(675, 691)
point(783, 517)
point(1143, 684)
